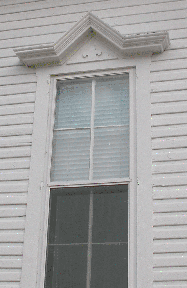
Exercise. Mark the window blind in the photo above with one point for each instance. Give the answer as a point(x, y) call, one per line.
point(91, 130)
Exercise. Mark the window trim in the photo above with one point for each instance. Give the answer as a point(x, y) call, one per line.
point(142, 275)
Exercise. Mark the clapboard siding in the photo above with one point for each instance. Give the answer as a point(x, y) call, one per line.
point(62, 9)
point(14, 163)
point(13, 198)
point(24, 140)
point(169, 232)
point(169, 119)
point(15, 262)
point(175, 192)
point(27, 22)
point(114, 15)
point(169, 167)
point(16, 236)
point(180, 259)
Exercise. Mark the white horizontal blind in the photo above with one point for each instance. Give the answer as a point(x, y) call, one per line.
point(76, 141)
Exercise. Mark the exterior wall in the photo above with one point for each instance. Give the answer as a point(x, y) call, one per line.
point(26, 22)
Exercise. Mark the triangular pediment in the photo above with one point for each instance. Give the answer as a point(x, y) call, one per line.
point(93, 49)
point(89, 27)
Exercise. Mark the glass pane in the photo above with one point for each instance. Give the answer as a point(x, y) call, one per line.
point(110, 214)
point(111, 152)
point(109, 266)
point(69, 215)
point(70, 158)
point(66, 266)
point(112, 101)
point(73, 104)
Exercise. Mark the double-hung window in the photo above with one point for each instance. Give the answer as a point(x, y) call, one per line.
point(88, 225)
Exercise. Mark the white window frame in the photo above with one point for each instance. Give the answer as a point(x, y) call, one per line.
point(140, 197)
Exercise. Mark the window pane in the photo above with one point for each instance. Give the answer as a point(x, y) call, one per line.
point(109, 266)
point(66, 266)
point(70, 158)
point(73, 105)
point(112, 101)
point(69, 213)
point(110, 214)
point(111, 152)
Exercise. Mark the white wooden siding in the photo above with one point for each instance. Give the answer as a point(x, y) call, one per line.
point(25, 22)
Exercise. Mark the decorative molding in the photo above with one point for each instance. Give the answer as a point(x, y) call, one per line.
point(91, 26)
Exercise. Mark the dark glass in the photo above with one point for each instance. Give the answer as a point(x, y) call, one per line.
point(110, 214)
point(66, 261)
point(69, 212)
point(66, 266)
point(109, 266)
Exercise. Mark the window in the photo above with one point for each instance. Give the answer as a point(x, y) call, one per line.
point(88, 216)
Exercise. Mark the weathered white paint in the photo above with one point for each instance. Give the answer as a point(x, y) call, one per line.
point(35, 22)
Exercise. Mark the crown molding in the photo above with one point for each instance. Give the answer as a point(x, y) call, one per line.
point(90, 26)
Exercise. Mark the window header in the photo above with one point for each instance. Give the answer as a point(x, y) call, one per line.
point(91, 26)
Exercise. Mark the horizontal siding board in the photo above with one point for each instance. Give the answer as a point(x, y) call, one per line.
point(15, 70)
point(171, 142)
point(11, 249)
point(23, 140)
point(14, 163)
point(170, 260)
point(169, 85)
point(34, 40)
point(169, 154)
point(167, 232)
point(168, 65)
point(19, 88)
point(169, 167)
point(12, 223)
point(170, 205)
point(10, 61)
point(14, 186)
point(12, 130)
point(17, 99)
point(168, 96)
point(14, 211)
point(10, 263)
point(172, 284)
point(4, 284)
point(17, 236)
point(14, 2)
point(13, 199)
point(169, 119)
point(15, 174)
point(17, 109)
point(10, 275)
point(170, 192)
point(173, 107)
point(15, 152)
point(169, 246)
point(169, 179)
point(170, 275)
point(30, 78)
point(17, 119)
point(175, 218)
point(169, 131)
point(173, 74)
point(168, 55)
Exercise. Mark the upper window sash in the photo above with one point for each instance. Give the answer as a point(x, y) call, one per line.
point(94, 77)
